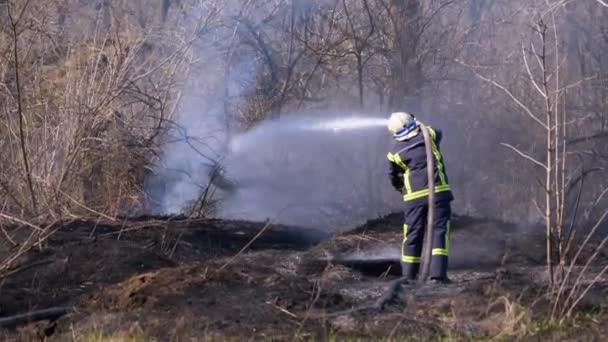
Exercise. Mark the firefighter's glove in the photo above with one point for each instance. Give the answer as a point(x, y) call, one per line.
point(397, 183)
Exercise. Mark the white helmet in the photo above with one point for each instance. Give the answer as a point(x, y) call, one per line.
point(402, 125)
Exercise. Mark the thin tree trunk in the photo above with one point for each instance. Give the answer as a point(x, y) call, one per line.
point(548, 212)
point(549, 181)
point(26, 165)
point(360, 78)
point(560, 178)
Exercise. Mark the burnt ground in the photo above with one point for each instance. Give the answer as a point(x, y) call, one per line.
point(179, 279)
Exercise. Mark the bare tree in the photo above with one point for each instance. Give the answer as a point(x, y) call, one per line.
point(360, 44)
point(15, 15)
point(548, 106)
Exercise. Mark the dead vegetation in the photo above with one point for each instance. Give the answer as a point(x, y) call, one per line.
point(90, 93)
point(121, 281)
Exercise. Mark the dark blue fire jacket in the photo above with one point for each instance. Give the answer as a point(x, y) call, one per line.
point(408, 170)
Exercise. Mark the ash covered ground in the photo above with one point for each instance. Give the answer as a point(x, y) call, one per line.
point(186, 279)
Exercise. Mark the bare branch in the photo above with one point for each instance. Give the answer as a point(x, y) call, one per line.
point(597, 251)
point(530, 76)
point(575, 84)
point(602, 2)
point(526, 156)
point(14, 219)
point(514, 98)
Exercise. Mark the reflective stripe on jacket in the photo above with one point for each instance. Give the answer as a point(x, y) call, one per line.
point(408, 169)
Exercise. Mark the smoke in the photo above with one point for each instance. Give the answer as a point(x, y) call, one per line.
point(475, 245)
point(320, 169)
point(197, 140)
point(328, 168)
point(381, 253)
point(308, 168)
point(309, 171)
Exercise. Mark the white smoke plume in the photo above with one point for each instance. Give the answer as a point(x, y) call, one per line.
point(308, 169)
point(312, 171)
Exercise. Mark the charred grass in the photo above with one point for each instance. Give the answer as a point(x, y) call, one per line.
point(152, 280)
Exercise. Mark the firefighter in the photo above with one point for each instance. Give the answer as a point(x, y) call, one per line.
point(409, 176)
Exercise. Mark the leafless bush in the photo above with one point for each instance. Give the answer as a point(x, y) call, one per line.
point(547, 105)
point(87, 94)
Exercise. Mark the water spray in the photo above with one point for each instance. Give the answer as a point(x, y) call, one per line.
point(270, 161)
point(349, 124)
point(299, 160)
point(289, 126)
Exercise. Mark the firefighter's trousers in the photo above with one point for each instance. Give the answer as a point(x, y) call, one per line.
point(413, 237)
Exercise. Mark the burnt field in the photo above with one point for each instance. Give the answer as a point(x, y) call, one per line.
point(180, 279)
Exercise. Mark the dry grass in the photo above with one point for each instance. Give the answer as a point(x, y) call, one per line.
point(100, 336)
point(93, 102)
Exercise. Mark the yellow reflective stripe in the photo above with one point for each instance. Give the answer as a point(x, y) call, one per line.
point(425, 192)
point(439, 164)
point(437, 156)
point(444, 251)
point(409, 193)
point(406, 181)
point(410, 259)
point(396, 158)
point(440, 251)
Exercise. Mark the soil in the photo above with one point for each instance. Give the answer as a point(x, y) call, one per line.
point(176, 278)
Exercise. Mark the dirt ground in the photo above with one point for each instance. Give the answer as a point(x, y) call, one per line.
point(179, 279)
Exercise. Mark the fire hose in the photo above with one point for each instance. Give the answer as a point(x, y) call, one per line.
point(428, 238)
point(394, 285)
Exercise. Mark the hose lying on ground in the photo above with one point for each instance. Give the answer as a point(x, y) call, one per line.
point(34, 316)
point(379, 304)
point(393, 286)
